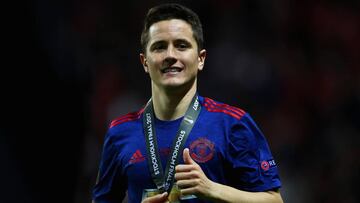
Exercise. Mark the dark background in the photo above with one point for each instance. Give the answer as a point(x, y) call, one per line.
point(69, 67)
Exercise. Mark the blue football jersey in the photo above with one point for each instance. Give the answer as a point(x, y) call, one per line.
point(225, 142)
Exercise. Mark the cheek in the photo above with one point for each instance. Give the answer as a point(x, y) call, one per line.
point(154, 61)
point(193, 63)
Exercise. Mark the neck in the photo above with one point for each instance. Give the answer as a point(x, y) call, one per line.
point(170, 104)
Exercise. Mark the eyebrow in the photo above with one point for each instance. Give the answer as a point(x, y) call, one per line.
point(183, 40)
point(159, 42)
point(165, 42)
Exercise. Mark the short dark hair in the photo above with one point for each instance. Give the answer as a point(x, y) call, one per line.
point(172, 11)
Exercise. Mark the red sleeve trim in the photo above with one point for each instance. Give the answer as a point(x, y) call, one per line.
point(126, 118)
point(213, 106)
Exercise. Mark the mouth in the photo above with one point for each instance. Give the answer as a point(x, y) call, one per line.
point(171, 70)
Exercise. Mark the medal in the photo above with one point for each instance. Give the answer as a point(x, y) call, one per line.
point(174, 195)
point(150, 193)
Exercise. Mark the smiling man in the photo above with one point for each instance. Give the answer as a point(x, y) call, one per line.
point(183, 147)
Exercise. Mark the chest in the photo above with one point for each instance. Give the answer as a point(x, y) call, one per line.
point(206, 145)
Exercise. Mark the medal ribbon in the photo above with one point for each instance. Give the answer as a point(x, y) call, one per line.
point(165, 182)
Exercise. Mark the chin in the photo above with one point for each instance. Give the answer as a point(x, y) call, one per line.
point(173, 83)
point(173, 86)
point(178, 85)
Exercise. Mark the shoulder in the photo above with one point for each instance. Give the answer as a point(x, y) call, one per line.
point(132, 116)
point(222, 108)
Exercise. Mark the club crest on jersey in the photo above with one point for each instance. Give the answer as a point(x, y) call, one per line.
point(202, 150)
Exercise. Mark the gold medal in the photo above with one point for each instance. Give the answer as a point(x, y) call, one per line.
point(174, 196)
point(150, 193)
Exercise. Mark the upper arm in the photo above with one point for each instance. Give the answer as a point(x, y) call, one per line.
point(251, 161)
point(111, 184)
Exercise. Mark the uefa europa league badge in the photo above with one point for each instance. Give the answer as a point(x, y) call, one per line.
point(174, 196)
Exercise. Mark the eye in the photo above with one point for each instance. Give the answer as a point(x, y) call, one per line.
point(182, 45)
point(158, 47)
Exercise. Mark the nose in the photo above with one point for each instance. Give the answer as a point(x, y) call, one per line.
point(170, 57)
point(171, 52)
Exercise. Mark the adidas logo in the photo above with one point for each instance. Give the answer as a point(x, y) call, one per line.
point(136, 157)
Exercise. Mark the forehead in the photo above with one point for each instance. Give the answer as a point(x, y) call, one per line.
point(170, 29)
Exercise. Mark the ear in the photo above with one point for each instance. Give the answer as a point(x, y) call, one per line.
point(201, 58)
point(144, 62)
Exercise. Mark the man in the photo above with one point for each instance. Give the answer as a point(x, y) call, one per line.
point(211, 152)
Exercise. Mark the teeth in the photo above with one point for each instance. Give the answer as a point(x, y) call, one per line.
point(166, 70)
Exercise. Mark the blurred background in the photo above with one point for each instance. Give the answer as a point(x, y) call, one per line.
point(69, 67)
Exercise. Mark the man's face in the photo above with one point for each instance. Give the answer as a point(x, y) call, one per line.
point(172, 58)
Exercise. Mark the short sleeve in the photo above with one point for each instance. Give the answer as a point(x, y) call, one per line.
point(110, 184)
point(251, 166)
